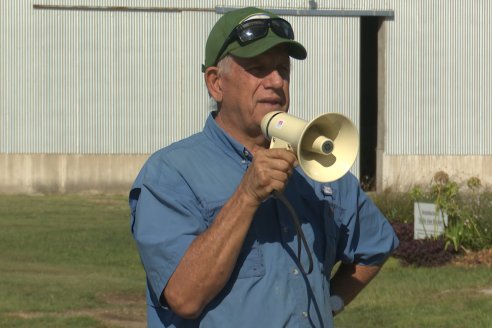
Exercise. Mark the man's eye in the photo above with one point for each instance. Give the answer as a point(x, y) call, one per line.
point(258, 71)
point(254, 69)
point(284, 69)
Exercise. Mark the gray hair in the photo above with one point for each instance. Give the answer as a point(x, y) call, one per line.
point(223, 67)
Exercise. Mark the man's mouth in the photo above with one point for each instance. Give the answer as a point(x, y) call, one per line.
point(272, 101)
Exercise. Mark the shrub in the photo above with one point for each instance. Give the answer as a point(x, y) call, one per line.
point(404, 231)
point(396, 206)
point(469, 228)
point(428, 252)
point(465, 230)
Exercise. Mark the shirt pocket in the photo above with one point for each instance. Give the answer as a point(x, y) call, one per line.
point(250, 262)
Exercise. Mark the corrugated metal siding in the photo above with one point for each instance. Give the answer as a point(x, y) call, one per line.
point(92, 82)
point(195, 105)
point(129, 82)
point(328, 80)
point(440, 78)
point(85, 81)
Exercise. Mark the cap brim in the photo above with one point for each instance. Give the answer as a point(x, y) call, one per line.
point(294, 48)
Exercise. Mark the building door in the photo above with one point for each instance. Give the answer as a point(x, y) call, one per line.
point(369, 84)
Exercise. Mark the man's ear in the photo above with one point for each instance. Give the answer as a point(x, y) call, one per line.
point(213, 82)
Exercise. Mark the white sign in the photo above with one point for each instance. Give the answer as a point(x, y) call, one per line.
point(428, 221)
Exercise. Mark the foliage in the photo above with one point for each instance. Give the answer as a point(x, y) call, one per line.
point(464, 230)
point(427, 252)
point(404, 231)
point(396, 206)
point(469, 227)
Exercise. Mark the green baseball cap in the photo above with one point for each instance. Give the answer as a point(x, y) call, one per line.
point(223, 28)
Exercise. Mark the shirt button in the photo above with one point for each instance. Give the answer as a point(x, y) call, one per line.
point(295, 271)
point(305, 314)
point(285, 229)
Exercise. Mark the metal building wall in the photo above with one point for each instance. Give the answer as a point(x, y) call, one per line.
point(328, 80)
point(129, 82)
point(98, 82)
point(439, 78)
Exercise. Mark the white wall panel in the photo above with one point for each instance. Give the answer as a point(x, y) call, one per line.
point(328, 80)
point(91, 82)
point(129, 82)
point(439, 78)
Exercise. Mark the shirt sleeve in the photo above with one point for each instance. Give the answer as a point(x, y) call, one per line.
point(367, 237)
point(166, 219)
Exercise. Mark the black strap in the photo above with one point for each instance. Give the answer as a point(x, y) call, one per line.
point(300, 233)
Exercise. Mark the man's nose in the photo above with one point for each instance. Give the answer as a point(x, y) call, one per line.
point(275, 79)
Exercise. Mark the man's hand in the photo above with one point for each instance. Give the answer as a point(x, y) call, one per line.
point(269, 171)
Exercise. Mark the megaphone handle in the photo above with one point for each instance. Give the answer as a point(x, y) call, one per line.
point(300, 234)
point(279, 143)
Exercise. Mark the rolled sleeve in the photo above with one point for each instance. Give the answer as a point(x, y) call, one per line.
point(367, 238)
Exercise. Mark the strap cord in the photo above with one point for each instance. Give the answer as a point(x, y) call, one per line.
point(300, 234)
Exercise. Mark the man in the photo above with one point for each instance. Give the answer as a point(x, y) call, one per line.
point(217, 248)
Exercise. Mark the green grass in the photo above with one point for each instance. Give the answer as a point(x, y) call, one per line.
point(70, 261)
point(408, 297)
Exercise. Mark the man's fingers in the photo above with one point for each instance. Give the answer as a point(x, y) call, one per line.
point(269, 171)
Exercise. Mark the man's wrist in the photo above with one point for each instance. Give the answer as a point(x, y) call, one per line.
point(337, 304)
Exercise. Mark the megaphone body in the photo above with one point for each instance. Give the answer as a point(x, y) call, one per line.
point(326, 147)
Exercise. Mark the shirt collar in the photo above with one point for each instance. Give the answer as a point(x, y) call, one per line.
point(224, 141)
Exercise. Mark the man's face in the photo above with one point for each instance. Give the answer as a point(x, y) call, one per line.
point(253, 87)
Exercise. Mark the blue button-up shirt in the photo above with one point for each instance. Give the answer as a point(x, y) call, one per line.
point(179, 192)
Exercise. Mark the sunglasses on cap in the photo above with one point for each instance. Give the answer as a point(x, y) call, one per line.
point(255, 29)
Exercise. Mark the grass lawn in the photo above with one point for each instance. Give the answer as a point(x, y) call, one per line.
point(448, 296)
point(70, 261)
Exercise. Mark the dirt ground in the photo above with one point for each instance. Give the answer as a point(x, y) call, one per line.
point(126, 311)
point(483, 257)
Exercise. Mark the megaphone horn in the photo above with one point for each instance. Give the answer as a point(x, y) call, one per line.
point(326, 147)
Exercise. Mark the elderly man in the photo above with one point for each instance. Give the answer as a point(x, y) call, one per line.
point(217, 248)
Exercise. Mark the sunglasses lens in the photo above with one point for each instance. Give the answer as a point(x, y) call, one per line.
point(256, 29)
point(282, 28)
point(252, 30)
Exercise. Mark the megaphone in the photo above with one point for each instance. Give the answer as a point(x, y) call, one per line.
point(326, 147)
